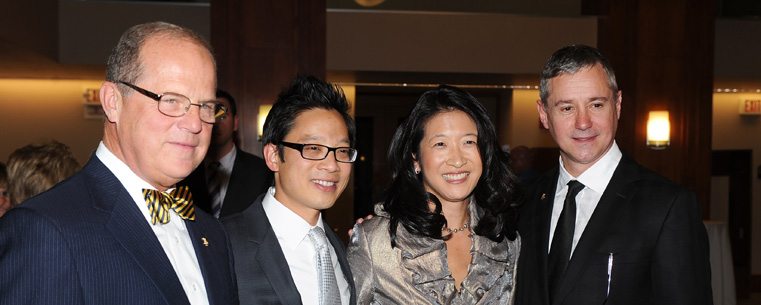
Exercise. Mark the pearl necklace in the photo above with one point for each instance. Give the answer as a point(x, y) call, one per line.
point(465, 226)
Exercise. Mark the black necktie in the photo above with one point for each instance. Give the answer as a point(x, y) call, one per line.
point(560, 252)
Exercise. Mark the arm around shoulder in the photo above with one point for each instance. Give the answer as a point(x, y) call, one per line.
point(360, 257)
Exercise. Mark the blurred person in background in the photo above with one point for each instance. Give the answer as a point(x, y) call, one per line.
point(5, 201)
point(229, 179)
point(522, 164)
point(34, 169)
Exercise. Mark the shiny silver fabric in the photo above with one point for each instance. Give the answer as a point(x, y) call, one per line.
point(416, 272)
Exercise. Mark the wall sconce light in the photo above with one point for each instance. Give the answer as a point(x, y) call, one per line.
point(658, 130)
point(264, 110)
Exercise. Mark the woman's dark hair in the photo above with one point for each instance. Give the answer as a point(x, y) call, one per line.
point(497, 194)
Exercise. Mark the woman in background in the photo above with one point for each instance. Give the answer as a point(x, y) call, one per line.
point(446, 231)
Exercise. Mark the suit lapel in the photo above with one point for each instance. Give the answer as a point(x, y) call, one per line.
point(129, 227)
point(236, 185)
point(208, 261)
point(546, 193)
point(612, 204)
point(269, 255)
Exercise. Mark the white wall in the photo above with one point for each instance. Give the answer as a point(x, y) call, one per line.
point(37, 110)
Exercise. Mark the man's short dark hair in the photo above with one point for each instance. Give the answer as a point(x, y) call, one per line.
point(569, 60)
point(225, 95)
point(306, 92)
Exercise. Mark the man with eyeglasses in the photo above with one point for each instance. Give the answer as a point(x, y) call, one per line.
point(229, 179)
point(119, 231)
point(284, 251)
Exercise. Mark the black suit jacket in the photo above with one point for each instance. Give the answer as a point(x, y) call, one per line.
point(652, 227)
point(86, 242)
point(263, 274)
point(249, 178)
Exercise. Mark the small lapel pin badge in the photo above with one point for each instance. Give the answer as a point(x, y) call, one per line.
point(205, 242)
point(544, 196)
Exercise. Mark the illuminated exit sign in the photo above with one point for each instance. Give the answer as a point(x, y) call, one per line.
point(752, 107)
point(91, 103)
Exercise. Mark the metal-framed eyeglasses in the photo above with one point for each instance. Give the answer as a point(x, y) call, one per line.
point(176, 105)
point(320, 152)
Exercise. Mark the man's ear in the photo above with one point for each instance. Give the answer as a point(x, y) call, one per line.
point(271, 157)
point(110, 100)
point(542, 114)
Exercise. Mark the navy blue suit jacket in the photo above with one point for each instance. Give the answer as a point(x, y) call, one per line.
point(263, 273)
point(86, 242)
point(652, 228)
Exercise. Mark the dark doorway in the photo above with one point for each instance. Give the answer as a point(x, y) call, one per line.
point(733, 167)
point(363, 168)
point(379, 111)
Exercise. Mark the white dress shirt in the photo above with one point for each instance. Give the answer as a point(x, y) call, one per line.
point(595, 180)
point(224, 171)
point(173, 236)
point(292, 234)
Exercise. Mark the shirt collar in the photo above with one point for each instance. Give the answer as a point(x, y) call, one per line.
point(127, 177)
point(289, 227)
point(597, 176)
point(226, 163)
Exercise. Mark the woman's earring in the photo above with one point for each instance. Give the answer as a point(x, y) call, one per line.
point(417, 171)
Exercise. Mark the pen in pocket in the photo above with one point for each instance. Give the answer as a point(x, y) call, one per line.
point(610, 272)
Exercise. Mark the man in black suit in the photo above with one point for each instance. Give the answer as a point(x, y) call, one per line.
point(229, 179)
point(625, 235)
point(118, 231)
point(285, 253)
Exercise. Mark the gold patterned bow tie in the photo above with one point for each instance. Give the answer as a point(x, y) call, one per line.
point(159, 203)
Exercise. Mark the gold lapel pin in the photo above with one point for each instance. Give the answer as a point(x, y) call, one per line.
point(205, 242)
point(544, 196)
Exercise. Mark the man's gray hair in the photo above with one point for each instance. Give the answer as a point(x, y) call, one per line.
point(569, 60)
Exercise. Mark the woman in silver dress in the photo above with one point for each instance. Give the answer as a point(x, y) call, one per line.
point(445, 232)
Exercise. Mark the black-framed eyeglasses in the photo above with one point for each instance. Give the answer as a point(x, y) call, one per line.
point(320, 152)
point(176, 105)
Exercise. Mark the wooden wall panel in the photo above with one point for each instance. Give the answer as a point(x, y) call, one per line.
point(260, 45)
point(663, 56)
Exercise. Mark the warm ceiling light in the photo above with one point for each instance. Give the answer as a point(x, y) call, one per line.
point(368, 3)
